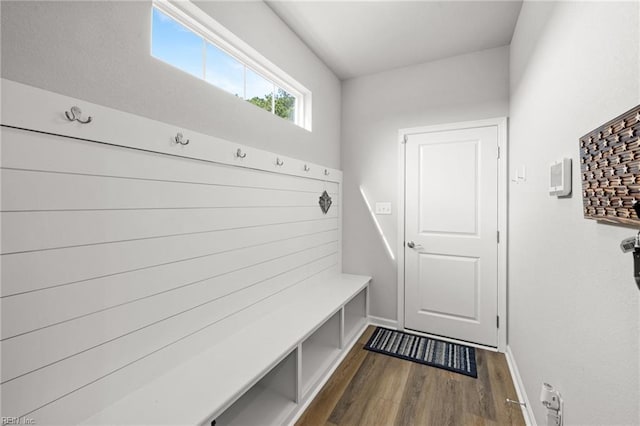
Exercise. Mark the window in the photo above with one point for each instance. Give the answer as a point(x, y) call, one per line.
point(185, 37)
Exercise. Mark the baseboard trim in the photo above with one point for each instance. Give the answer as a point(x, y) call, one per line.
point(383, 322)
point(527, 412)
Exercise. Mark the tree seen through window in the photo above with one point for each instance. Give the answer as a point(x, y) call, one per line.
point(178, 45)
point(285, 104)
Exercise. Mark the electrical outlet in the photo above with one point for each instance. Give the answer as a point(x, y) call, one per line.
point(383, 208)
point(552, 401)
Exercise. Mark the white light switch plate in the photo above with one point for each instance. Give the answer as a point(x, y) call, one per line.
point(383, 208)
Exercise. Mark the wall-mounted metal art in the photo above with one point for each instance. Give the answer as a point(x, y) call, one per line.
point(610, 169)
point(325, 202)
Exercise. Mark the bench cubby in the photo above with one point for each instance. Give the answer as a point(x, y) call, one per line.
point(319, 350)
point(355, 316)
point(270, 401)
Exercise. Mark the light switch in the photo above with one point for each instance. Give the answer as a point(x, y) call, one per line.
point(383, 208)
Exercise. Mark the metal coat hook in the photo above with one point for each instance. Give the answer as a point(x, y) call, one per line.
point(306, 168)
point(74, 115)
point(240, 154)
point(279, 162)
point(326, 172)
point(179, 139)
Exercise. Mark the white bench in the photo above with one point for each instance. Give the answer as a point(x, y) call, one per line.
point(266, 370)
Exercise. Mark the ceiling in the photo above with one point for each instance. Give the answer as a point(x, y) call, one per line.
point(356, 38)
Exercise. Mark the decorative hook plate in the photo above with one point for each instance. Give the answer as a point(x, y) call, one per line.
point(325, 202)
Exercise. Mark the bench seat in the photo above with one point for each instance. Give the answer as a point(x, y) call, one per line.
point(202, 388)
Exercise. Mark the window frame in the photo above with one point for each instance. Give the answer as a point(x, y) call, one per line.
point(196, 20)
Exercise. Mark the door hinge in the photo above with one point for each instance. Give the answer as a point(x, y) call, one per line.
point(498, 237)
point(498, 152)
point(405, 139)
point(497, 321)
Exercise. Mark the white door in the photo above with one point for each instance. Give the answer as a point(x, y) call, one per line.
point(451, 231)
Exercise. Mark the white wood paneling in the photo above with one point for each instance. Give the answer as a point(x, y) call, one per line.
point(124, 255)
point(47, 384)
point(26, 272)
point(60, 154)
point(67, 338)
point(65, 302)
point(29, 190)
point(39, 230)
point(27, 107)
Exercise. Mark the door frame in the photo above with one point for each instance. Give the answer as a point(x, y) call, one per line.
point(501, 124)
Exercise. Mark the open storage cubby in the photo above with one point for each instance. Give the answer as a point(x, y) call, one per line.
point(319, 351)
point(355, 315)
point(271, 401)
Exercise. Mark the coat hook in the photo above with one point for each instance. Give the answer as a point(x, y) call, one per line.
point(240, 154)
point(326, 172)
point(279, 162)
point(306, 168)
point(74, 115)
point(178, 139)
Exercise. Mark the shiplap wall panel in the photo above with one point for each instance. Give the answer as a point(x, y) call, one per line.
point(77, 406)
point(26, 272)
point(174, 314)
point(27, 107)
point(57, 191)
point(119, 263)
point(66, 302)
point(60, 154)
point(38, 230)
point(70, 337)
point(45, 385)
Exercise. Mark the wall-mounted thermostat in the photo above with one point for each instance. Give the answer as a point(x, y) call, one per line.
point(560, 177)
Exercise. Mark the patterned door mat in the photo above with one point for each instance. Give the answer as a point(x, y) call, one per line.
point(424, 350)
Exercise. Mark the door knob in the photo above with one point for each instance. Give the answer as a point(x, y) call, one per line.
point(411, 244)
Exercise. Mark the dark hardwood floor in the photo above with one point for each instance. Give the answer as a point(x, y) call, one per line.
point(373, 389)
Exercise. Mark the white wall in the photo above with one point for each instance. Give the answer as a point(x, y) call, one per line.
point(99, 52)
point(375, 107)
point(574, 314)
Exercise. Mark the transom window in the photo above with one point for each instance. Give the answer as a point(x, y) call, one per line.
point(180, 39)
